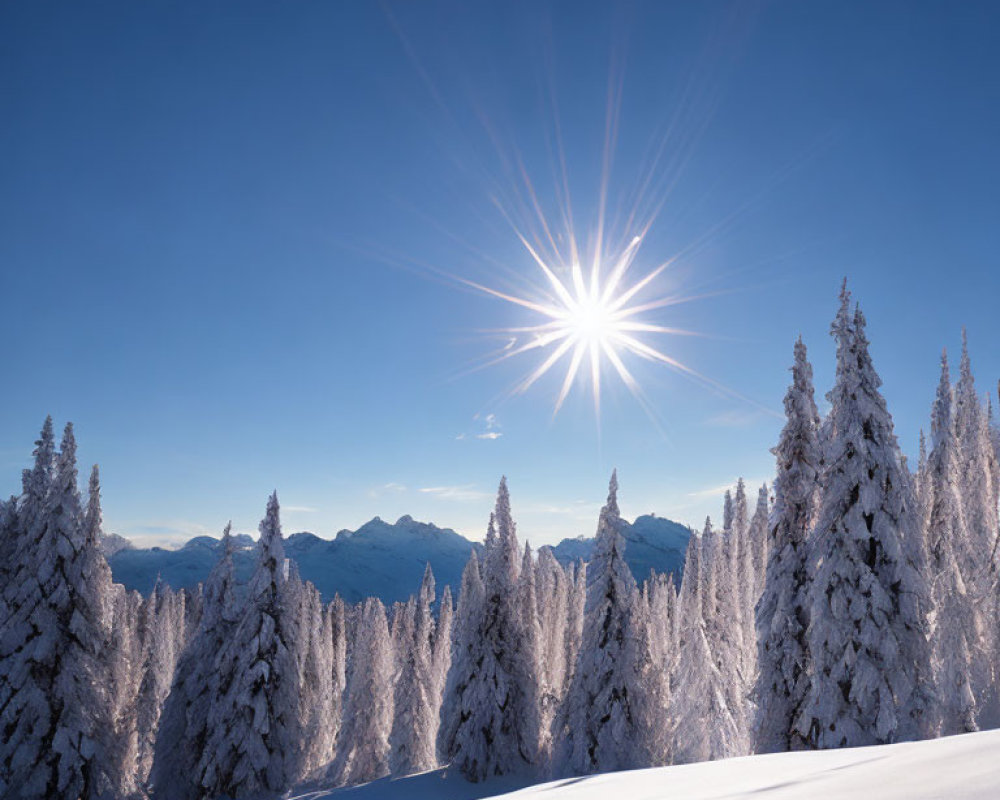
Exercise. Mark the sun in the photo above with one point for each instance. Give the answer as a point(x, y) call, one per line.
point(592, 322)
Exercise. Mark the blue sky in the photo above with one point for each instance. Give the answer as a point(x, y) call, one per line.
point(224, 229)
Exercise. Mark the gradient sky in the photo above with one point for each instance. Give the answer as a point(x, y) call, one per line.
point(223, 228)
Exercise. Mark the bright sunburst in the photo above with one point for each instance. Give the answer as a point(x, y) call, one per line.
point(590, 321)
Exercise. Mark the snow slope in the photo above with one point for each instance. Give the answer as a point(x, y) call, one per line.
point(954, 768)
point(381, 559)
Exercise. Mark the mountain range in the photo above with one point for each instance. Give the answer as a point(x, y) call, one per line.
point(380, 559)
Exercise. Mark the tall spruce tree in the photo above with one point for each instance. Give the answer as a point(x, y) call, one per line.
point(607, 723)
point(363, 750)
point(254, 729)
point(496, 729)
point(867, 627)
point(56, 709)
point(955, 637)
point(184, 724)
point(782, 617)
point(412, 741)
point(704, 723)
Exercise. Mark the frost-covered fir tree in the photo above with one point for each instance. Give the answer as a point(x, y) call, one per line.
point(704, 723)
point(125, 681)
point(759, 534)
point(254, 728)
point(412, 741)
point(724, 612)
point(610, 717)
point(867, 628)
point(553, 612)
point(363, 750)
point(441, 651)
point(184, 731)
point(336, 619)
point(462, 691)
point(56, 719)
point(662, 611)
point(955, 638)
point(497, 727)
point(577, 585)
point(977, 491)
point(783, 610)
point(161, 629)
point(319, 709)
point(977, 554)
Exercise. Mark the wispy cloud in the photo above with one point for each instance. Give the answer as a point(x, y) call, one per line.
point(386, 488)
point(491, 425)
point(461, 494)
point(736, 418)
point(718, 491)
point(300, 509)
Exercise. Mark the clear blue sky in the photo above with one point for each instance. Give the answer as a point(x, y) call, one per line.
point(218, 223)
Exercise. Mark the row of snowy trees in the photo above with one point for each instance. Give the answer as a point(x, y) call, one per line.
point(858, 606)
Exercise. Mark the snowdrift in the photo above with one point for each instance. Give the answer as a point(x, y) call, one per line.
point(953, 768)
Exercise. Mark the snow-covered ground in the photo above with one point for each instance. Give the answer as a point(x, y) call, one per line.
point(954, 768)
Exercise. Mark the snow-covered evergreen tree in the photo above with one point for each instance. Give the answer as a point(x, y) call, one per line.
point(783, 610)
point(462, 692)
point(441, 652)
point(662, 610)
point(497, 726)
point(955, 637)
point(56, 717)
point(759, 534)
point(977, 554)
point(363, 750)
point(553, 612)
point(611, 717)
point(724, 612)
point(197, 687)
point(867, 629)
point(319, 709)
point(704, 724)
point(161, 629)
point(254, 729)
point(576, 577)
point(412, 741)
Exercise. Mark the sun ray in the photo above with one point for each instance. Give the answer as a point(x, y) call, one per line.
point(545, 366)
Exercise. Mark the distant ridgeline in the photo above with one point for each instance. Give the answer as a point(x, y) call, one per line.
point(379, 559)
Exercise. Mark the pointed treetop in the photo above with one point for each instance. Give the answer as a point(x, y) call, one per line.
point(707, 530)
point(966, 381)
point(740, 513)
point(841, 326)
point(67, 448)
point(427, 586)
point(612, 504)
point(93, 518)
point(45, 444)
point(228, 542)
point(941, 424)
point(505, 529)
point(270, 531)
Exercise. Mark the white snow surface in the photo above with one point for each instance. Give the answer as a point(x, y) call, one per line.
point(962, 767)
